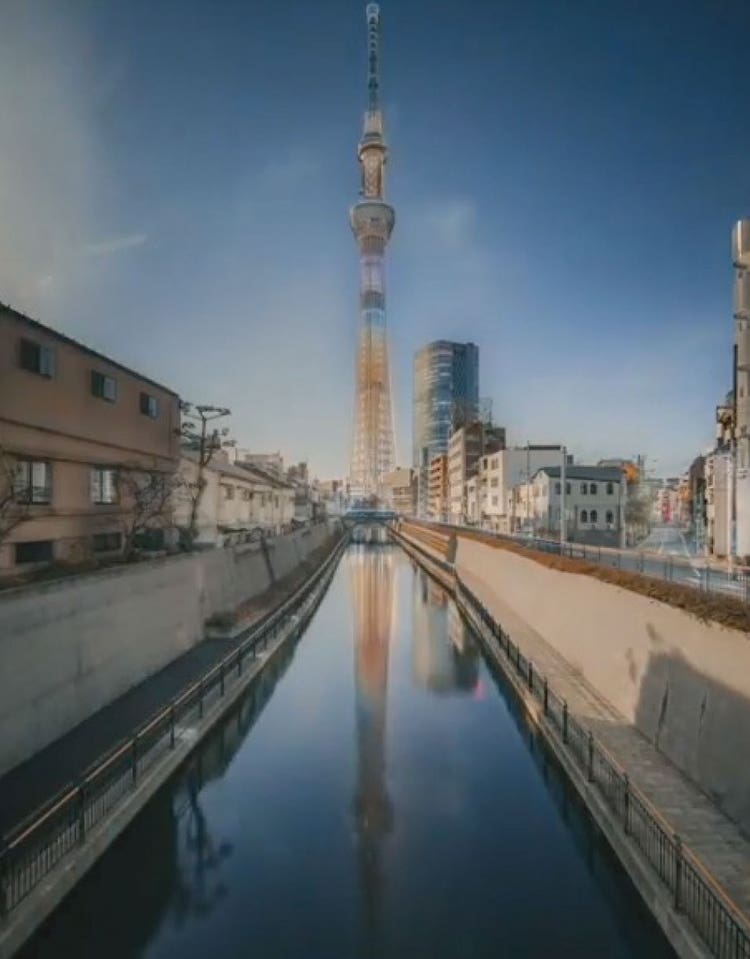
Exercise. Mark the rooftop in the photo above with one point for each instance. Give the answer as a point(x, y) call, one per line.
point(604, 474)
point(48, 331)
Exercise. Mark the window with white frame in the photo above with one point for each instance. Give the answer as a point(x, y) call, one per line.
point(37, 358)
point(103, 486)
point(103, 386)
point(584, 516)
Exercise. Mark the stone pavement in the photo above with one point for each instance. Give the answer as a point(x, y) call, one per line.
point(704, 829)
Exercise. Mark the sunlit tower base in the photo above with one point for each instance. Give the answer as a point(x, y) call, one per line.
point(372, 222)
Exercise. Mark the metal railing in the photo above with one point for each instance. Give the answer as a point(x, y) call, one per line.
point(697, 572)
point(41, 842)
point(696, 894)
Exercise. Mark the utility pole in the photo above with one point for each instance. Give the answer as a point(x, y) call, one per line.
point(528, 487)
point(563, 520)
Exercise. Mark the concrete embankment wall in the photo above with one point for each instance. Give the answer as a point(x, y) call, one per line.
point(68, 648)
point(684, 683)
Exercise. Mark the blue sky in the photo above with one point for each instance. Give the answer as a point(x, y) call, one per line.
point(175, 178)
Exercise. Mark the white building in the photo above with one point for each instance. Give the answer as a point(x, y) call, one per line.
point(465, 450)
point(594, 504)
point(718, 475)
point(237, 502)
point(501, 471)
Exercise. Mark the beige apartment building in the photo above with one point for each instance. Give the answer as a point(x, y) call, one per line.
point(237, 503)
point(437, 496)
point(400, 490)
point(71, 421)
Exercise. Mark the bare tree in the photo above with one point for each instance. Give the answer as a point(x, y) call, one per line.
point(14, 507)
point(205, 441)
point(147, 500)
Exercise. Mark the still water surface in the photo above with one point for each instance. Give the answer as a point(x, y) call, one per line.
point(376, 795)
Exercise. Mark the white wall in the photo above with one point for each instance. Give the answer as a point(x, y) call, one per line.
point(684, 683)
point(70, 647)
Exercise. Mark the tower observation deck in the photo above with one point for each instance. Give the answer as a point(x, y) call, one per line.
point(372, 222)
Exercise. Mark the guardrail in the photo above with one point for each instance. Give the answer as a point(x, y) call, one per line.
point(697, 572)
point(696, 894)
point(39, 844)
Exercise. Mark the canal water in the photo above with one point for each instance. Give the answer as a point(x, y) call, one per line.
point(377, 794)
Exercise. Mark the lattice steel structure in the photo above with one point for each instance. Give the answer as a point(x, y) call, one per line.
point(372, 222)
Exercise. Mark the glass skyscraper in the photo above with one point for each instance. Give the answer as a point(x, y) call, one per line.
point(445, 395)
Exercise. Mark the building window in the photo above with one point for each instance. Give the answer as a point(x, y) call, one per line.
point(37, 358)
point(33, 481)
point(494, 500)
point(149, 406)
point(38, 551)
point(584, 489)
point(103, 486)
point(494, 481)
point(610, 488)
point(558, 488)
point(592, 490)
point(229, 492)
point(103, 386)
point(106, 542)
point(247, 495)
point(610, 516)
point(584, 516)
point(594, 516)
point(567, 489)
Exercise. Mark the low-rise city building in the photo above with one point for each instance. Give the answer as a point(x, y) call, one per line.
point(505, 469)
point(399, 489)
point(237, 503)
point(595, 499)
point(465, 450)
point(75, 428)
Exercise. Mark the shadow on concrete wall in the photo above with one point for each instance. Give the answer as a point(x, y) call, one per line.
point(702, 726)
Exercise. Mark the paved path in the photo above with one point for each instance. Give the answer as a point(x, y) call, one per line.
point(714, 838)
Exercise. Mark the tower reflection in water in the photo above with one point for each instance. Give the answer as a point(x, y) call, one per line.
point(441, 666)
point(373, 591)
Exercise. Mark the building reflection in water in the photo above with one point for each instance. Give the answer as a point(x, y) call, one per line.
point(373, 590)
point(440, 665)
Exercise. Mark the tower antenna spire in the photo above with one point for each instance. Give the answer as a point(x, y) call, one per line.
point(373, 59)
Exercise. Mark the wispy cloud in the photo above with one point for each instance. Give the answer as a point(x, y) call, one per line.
point(115, 244)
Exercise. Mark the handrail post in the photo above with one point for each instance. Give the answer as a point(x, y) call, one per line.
point(82, 812)
point(590, 770)
point(531, 676)
point(546, 696)
point(4, 880)
point(565, 723)
point(626, 803)
point(678, 866)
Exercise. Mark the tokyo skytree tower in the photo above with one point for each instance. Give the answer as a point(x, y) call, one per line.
point(372, 222)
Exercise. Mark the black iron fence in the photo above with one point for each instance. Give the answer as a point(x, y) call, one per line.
point(696, 894)
point(40, 843)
